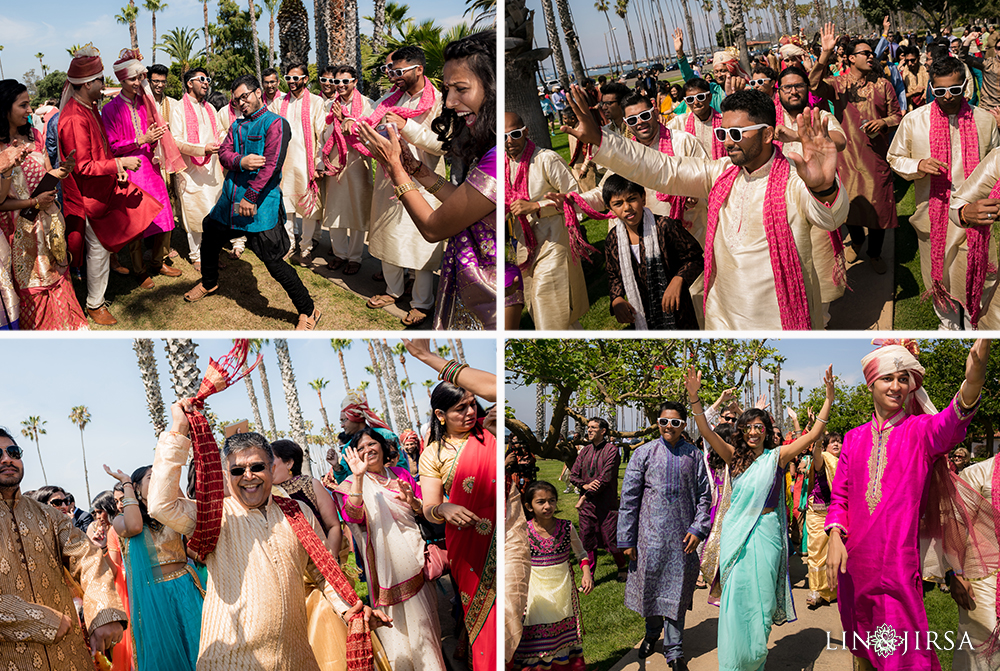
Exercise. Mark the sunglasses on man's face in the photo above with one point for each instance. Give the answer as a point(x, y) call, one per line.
point(759, 82)
point(13, 451)
point(953, 90)
point(670, 421)
point(58, 503)
point(736, 133)
point(729, 418)
point(641, 116)
point(294, 78)
point(700, 97)
point(203, 79)
point(866, 54)
point(237, 471)
point(398, 72)
point(515, 134)
point(335, 82)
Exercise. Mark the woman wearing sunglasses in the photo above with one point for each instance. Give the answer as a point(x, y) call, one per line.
point(662, 518)
point(753, 543)
point(466, 297)
point(164, 593)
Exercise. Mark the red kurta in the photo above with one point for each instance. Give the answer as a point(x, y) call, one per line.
point(117, 213)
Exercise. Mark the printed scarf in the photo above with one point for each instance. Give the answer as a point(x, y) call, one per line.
point(676, 202)
point(656, 275)
point(389, 105)
point(309, 200)
point(578, 245)
point(193, 135)
point(940, 198)
point(518, 190)
point(789, 283)
point(718, 149)
point(337, 137)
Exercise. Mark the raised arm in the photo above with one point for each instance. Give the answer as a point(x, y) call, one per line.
point(692, 383)
point(799, 445)
point(828, 41)
point(166, 503)
point(480, 382)
point(129, 522)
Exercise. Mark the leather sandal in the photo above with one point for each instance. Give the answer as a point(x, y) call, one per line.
point(198, 292)
point(380, 301)
point(308, 322)
point(414, 317)
point(336, 262)
point(352, 268)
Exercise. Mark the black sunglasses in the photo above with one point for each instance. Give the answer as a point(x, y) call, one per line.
point(13, 451)
point(58, 503)
point(237, 471)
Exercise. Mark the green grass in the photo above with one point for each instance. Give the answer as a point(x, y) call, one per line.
point(942, 615)
point(910, 312)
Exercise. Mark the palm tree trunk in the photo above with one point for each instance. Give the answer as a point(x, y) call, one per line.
point(343, 371)
point(353, 34)
point(540, 411)
point(256, 42)
point(154, 49)
point(208, 43)
point(296, 427)
point(631, 42)
point(86, 474)
point(321, 20)
point(689, 22)
point(338, 32)
point(413, 399)
point(184, 371)
point(614, 40)
point(520, 64)
point(378, 26)
point(553, 36)
point(381, 388)
point(38, 447)
point(740, 32)
point(392, 382)
point(642, 29)
point(146, 356)
point(572, 41)
point(270, 32)
point(254, 405)
point(722, 20)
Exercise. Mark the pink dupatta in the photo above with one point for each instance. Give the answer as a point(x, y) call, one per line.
point(337, 138)
point(193, 133)
point(676, 202)
point(310, 199)
point(389, 105)
point(718, 149)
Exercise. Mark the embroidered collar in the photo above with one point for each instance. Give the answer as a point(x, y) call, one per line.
point(890, 422)
point(762, 171)
point(258, 114)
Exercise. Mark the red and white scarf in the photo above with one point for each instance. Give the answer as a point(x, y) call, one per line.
point(337, 138)
point(789, 284)
point(718, 149)
point(389, 105)
point(676, 202)
point(937, 209)
point(193, 133)
point(307, 128)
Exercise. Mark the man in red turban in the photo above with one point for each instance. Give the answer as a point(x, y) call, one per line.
point(102, 208)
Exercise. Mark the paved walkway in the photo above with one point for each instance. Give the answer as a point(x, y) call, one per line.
point(868, 303)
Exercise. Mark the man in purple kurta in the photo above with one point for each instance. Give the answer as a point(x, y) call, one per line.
point(876, 505)
point(133, 131)
point(595, 474)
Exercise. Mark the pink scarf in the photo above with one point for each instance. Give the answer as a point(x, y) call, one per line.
point(676, 202)
point(718, 149)
point(518, 190)
point(307, 127)
point(337, 137)
point(389, 105)
point(193, 133)
point(578, 246)
point(940, 198)
point(789, 284)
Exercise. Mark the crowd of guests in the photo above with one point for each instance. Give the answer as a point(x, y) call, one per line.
point(245, 564)
point(738, 199)
point(728, 510)
point(255, 169)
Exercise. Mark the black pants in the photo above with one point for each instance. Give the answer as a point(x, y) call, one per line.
point(270, 247)
point(876, 236)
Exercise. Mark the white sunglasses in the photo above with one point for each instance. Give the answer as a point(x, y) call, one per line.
point(737, 133)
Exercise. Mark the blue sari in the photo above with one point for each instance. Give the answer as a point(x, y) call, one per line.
point(753, 565)
point(165, 609)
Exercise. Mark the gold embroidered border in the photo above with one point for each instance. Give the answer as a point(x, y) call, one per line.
point(390, 596)
point(485, 596)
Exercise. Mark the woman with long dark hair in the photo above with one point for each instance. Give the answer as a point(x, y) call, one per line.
point(753, 543)
point(467, 217)
point(34, 231)
point(460, 462)
point(164, 593)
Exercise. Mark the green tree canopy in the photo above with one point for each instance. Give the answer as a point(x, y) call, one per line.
point(232, 45)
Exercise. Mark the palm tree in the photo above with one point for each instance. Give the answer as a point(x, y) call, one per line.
point(736, 8)
point(353, 35)
point(184, 370)
point(256, 347)
point(689, 22)
point(272, 8)
point(376, 372)
point(394, 18)
point(318, 385)
point(429, 384)
point(154, 6)
point(338, 32)
point(146, 357)
point(392, 384)
point(363, 385)
point(1, 64)
point(34, 427)
point(208, 41)
point(80, 415)
point(339, 345)
point(40, 56)
point(404, 387)
point(321, 19)
point(378, 26)
point(554, 44)
point(603, 7)
point(256, 42)
point(400, 351)
point(179, 45)
point(790, 383)
point(127, 17)
point(252, 395)
point(293, 33)
point(621, 9)
point(296, 427)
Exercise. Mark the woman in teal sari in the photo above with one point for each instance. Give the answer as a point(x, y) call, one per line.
point(753, 549)
point(164, 593)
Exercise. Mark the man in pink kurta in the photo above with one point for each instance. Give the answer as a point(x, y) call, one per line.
point(132, 131)
point(876, 505)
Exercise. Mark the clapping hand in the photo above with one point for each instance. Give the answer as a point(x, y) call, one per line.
point(65, 167)
point(355, 461)
point(118, 475)
point(830, 381)
point(406, 494)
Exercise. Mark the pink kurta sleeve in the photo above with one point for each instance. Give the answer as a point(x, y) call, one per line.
point(121, 133)
point(73, 134)
point(352, 513)
point(947, 428)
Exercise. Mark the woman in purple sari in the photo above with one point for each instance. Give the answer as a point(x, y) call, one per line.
point(466, 129)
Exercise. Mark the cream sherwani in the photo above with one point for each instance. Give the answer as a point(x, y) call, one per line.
point(742, 296)
point(254, 615)
point(823, 257)
point(393, 238)
point(348, 197)
point(295, 170)
point(702, 129)
point(978, 623)
point(908, 148)
point(555, 291)
point(198, 186)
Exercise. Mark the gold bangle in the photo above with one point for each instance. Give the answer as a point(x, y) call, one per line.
point(432, 514)
point(403, 188)
point(436, 186)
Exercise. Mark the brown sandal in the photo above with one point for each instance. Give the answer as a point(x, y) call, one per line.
point(336, 262)
point(198, 292)
point(352, 268)
point(414, 317)
point(380, 301)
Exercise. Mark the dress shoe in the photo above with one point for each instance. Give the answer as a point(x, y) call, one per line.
point(878, 265)
point(678, 665)
point(169, 271)
point(145, 281)
point(646, 648)
point(102, 316)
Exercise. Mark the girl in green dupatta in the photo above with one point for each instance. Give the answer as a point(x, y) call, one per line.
point(753, 552)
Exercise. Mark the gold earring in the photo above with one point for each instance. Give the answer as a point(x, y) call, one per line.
point(442, 422)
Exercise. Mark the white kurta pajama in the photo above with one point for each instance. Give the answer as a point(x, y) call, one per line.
point(347, 198)
point(393, 238)
point(295, 171)
point(555, 291)
point(198, 186)
point(911, 145)
point(702, 129)
point(742, 296)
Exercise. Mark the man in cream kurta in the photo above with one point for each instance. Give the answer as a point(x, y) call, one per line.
point(198, 186)
point(555, 291)
point(393, 238)
point(742, 295)
point(911, 149)
point(301, 161)
point(347, 198)
point(254, 615)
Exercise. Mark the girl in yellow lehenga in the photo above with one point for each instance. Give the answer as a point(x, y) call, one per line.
point(819, 484)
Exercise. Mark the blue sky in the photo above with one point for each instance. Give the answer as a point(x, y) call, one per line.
point(61, 24)
point(807, 360)
point(48, 376)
